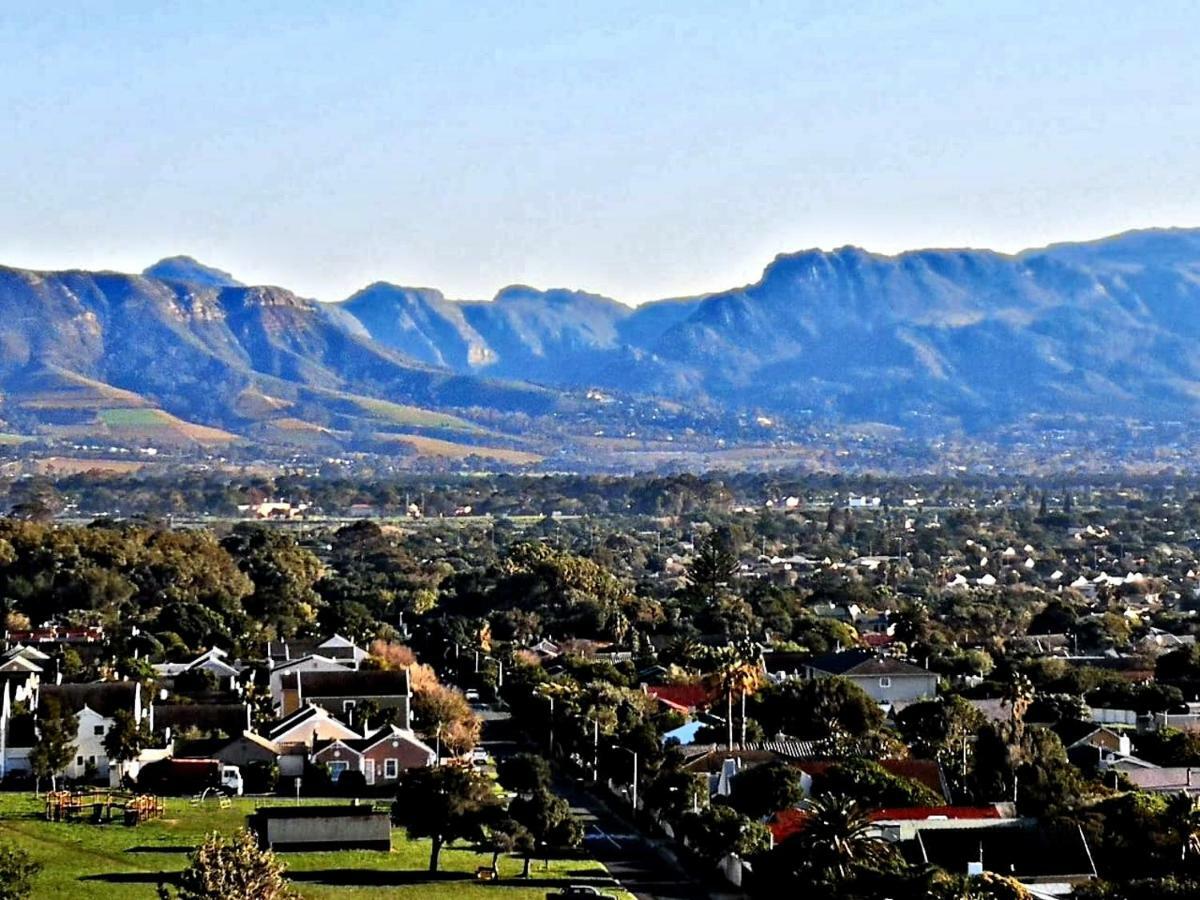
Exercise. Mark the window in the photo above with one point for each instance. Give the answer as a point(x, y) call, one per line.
point(391, 768)
point(336, 768)
point(885, 682)
point(79, 760)
point(348, 705)
point(98, 730)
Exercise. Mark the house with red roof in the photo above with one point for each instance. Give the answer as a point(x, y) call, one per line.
point(903, 823)
point(684, 698)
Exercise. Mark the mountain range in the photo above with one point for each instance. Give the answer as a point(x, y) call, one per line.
point(928, 340)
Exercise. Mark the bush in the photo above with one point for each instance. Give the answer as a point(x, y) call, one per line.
point(351, 783)
point(260, 776)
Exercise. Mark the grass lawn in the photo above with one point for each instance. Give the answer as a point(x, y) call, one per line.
point(112, 861)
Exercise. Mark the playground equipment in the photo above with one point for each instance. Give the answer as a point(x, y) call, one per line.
point(98, 806)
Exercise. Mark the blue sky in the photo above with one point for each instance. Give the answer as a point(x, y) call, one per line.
point(637, 149)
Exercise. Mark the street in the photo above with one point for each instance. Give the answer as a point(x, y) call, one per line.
point(629, 858)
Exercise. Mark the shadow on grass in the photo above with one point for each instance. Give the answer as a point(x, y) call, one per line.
point(133, 877)
point(375, 877)
point(164, 848)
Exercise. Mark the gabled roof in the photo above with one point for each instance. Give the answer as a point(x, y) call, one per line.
point(30, 653)
point(394, 732)
point(19, 664)
point(276, 730)
point(864, 662)
point(317, 658)
point(1073, 732)
point(1019, 851)
point(256, 738)
point(103, 697)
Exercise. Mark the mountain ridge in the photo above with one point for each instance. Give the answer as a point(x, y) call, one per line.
point(930, 340)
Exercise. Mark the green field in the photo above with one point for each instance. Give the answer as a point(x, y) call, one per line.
point(402, 414)
point(133, 418)
point(114, 861)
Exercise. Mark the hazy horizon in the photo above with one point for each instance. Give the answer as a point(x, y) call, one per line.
point(639, 152)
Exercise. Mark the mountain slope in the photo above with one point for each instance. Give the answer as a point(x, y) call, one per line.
point(225, 356)
point(952, 336)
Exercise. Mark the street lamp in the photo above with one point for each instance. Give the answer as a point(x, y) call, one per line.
point(550, 698)
point(633, 796)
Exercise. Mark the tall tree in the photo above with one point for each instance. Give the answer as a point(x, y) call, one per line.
point(548, 820)
point(444, 804)
point(712, 569)
point(57, 732)
point(125, 739)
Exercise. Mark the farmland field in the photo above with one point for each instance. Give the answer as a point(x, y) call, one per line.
point(115, 862)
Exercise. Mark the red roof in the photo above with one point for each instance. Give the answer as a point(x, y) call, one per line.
point(683, 697)
point(788, 822)
point(876, 639)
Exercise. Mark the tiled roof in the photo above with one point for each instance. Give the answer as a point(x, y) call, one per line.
point(864, 662)
point(680, 696)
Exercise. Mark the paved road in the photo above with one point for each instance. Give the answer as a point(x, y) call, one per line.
point(630, 859)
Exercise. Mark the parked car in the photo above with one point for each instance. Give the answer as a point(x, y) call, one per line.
point(472, 696)
point(479, 757)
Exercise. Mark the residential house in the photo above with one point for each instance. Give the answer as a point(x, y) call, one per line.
point(338, 648)
point(306, 725)
point(214, 661)
point(1089, 744)
point(310, 663)
point(381, 756)
point(96, 705)
point(1038, 856)
point(341, 692)
point(211, 719)
point(884, 679)
point(903, 823)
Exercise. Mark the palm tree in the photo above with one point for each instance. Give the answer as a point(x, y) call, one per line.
point(1183, 818)
point(838, 836)
point(738, 673)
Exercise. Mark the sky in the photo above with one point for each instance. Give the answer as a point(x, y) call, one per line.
point(635, 149)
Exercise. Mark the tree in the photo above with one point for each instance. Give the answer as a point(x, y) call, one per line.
point(817, 708)
point(838, 837)
point(873, 786)
point(125, 739)
point(762, 790)
point(1183, 820)
point(507, 835)
point(716, 831)
point(232, 868)
point(57, 731)
point(738, 674)
point(712, 569)
point(17, 870)
point(444, 804)
point(548, 820)
point(524, 773)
